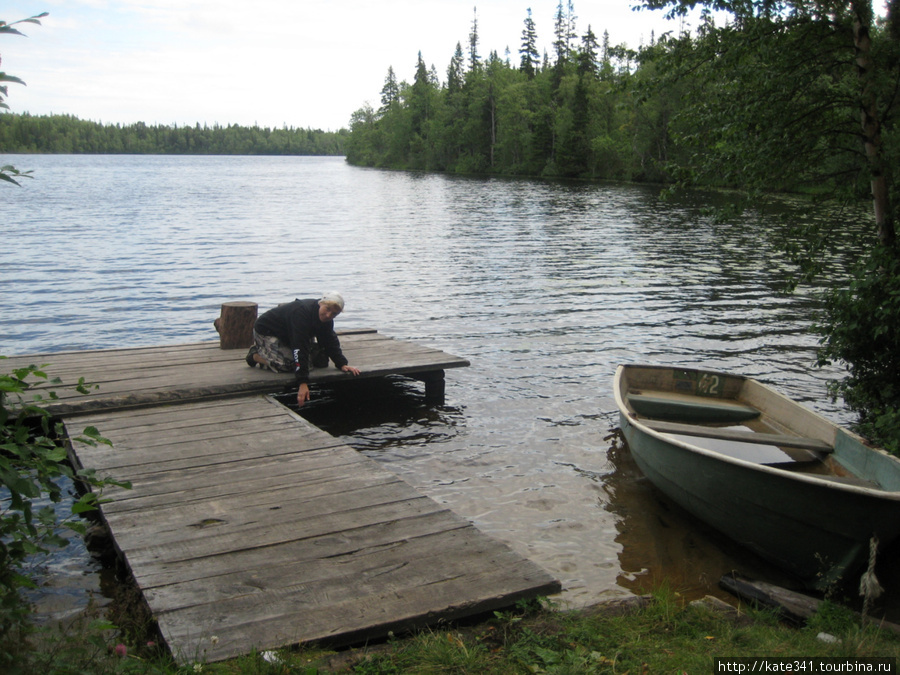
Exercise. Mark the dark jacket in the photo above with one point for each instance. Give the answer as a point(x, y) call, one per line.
point(296, 324)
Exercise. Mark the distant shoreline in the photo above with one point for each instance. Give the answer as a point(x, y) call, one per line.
point(65, 134)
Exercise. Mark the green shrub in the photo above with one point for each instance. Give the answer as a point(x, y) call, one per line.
point(33, 466)
point(862, 330)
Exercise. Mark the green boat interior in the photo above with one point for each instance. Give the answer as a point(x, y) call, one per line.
point(686, 408)
point(737, 430)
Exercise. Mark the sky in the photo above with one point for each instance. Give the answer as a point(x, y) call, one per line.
point(273, 63)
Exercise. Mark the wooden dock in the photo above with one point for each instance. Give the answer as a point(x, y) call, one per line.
point(249, 528)
point(148, 376)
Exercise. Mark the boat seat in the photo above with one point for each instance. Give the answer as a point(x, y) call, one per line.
point(779, 440)
point(691, 409)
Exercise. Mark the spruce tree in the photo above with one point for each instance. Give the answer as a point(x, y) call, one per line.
point(419, 99)
point(455, 73)
point(560, 34)
point(528, 52)
point(474, 58)
point(587, 55)
point(390, 92)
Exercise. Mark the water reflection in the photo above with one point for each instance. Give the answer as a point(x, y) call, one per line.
point(380, 416)
point(72, 576)
point(659, 542)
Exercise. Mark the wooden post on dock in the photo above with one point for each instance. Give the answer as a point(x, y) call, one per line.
point(235, 324)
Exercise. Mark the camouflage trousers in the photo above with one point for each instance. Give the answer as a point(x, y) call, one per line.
point(281, 357)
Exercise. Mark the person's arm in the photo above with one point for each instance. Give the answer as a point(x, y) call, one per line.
point(331, 345)
point(301, 363)
point(301, 327)
point(301, 374)
point(330, 342)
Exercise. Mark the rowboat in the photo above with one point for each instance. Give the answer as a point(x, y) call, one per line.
point(806, 494)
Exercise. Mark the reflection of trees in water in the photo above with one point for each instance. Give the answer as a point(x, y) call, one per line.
point(659, 542)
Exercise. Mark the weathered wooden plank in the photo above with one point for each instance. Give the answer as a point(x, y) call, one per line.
point(282, 494)
point(209, 348)
point(221, 525)
point(231, 419)
point(221, 518)
point(141, 359)
point(152, 376)
point(131, 451)
point(176, 422)
point(321, 549)
point(211, 542)
point(417, 562)
point(789, 605)
point(239, 423)
point(203, 449)
point(231, 479)
point(235, 407)
point(294, 617)
point(248, 523)
point(111, 355)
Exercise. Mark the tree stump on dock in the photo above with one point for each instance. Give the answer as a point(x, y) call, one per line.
point(235, 324)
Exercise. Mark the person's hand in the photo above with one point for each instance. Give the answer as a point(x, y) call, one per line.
point(302, 394)
point(350, 369)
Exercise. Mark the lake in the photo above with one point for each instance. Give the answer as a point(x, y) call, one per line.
point(544, 286)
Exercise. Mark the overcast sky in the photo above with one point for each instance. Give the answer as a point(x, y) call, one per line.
point(300, 63)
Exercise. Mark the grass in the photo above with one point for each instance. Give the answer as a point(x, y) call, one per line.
point(660, 635)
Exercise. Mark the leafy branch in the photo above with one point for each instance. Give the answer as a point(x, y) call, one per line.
point(34, 469)
point(9, 173)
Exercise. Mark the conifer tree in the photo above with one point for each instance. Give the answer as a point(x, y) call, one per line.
point(420, 97)
point(560, 34)
point(571, 31)
point(563, 32)
point(455, 72)
point(390, 92)
point(606, 69)
point(528, 52)
point(474, 58)
point(587, 55)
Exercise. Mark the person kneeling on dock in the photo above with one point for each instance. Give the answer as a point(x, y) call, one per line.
point(298, 335)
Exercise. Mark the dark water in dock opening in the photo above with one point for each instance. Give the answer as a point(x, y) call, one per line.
point(545, 287)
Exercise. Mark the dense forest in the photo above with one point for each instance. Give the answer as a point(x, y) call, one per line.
point(582, 111)
point(596, 110)
point(66, 134)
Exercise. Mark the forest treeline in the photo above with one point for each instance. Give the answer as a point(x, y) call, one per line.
point(589, 109)
point(65, 134)
point(578, 112)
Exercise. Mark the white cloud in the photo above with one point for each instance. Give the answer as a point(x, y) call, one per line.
point(303, 63)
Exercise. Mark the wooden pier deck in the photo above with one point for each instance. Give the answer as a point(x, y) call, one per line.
point(247, 527)
point(147, 376)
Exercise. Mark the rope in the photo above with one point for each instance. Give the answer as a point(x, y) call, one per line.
point(869, 587)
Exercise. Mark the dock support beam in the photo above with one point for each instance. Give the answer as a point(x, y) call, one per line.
point(435, 386)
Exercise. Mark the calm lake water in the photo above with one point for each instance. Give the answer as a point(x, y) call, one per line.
point(544, 286)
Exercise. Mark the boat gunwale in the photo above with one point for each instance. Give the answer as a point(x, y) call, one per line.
point(631, 416)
